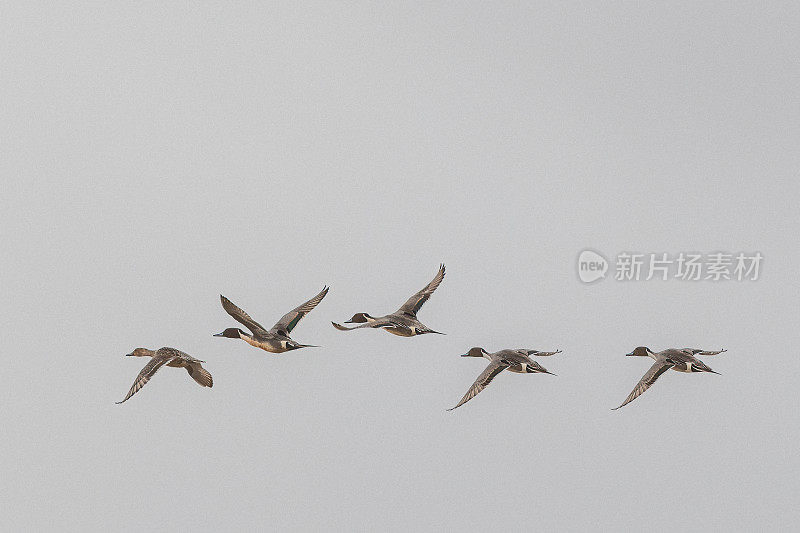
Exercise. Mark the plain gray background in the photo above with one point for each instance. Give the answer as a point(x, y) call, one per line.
point(156, 156)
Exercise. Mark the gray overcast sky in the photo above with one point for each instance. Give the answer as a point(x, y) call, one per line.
point(155, 155)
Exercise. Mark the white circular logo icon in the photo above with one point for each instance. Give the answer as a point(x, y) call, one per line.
point(591, 266)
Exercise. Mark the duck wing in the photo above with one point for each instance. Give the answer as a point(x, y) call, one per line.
point(698, 351)
point(147, 372)
point(240, 316)
point(287, 323)
point(647, 380)
point(486, 377)
point(539, 353)
point(200, 374)
point(413, 304)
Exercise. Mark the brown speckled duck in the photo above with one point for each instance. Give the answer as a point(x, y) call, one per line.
point(169, 357)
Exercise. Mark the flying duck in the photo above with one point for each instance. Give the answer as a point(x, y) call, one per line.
point(402, 322)
point(275, 340)
point(170, 357)
point(518, 361)
point(682, 360)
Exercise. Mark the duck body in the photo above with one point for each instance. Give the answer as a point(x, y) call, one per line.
point(270, 344)
point(405, 325)
point(518, 361)
point(685, 362)
point(681, 360)
point(273, 343)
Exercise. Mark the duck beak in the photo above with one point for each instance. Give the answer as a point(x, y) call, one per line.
point(217, 335)
point(128, 354)
point(628, 354)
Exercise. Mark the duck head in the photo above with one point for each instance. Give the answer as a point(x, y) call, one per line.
point(359, 318)
point(475, 352)
point(231, 333)
point(641, 351)
point(139, 352)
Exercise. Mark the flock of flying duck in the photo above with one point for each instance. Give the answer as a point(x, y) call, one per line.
point(403, 322)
